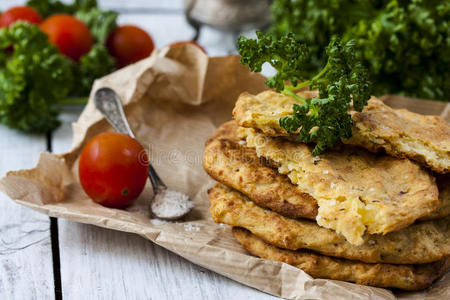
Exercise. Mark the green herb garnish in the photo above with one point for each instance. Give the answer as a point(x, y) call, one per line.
point(404, 44)
point(323, 120)
point(33, 77)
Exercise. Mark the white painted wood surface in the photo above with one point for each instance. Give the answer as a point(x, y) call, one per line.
point(123, 6)
point(102, 264)
point(97, 263)
point(26, 269)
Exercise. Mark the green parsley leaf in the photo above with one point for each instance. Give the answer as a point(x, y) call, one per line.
point(343, 80)
point(33, 76)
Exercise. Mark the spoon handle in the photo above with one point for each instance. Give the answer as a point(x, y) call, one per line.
point(108, 103)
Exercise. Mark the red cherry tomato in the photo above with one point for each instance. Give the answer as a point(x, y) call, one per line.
point(128, 44)
point(22, 13)
point(113, 169)
point(180, 43)
point(69, 34)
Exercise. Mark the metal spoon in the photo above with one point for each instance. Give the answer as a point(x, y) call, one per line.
point(166, 204)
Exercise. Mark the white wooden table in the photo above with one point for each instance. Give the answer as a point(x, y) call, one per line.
point(43, 258)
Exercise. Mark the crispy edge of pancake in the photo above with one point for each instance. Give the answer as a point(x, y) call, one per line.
point(357, 191)
point(423, 242)
point(263, 111)
point(443, 183)
point(401, 133)
point(406, 277)
point(239, 167)
point(252, 111)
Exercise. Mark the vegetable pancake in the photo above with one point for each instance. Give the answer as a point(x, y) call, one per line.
point(423, 242)
point(357, 191)
point(239, 167)
point(407, 277)
point(232, 163)
point(398, 132)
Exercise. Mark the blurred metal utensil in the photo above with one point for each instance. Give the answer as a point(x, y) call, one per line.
point(229, 15)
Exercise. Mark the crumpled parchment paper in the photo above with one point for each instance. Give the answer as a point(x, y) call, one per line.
point(174, 101)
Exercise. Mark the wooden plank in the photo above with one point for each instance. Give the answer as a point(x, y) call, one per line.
point(103, 264)
point(123, 6)
point(26, 269)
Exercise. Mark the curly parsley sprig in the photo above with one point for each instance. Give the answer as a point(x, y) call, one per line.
point(403, 43)
point(323, 120)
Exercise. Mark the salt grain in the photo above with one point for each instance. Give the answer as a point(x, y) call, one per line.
point(171, 204)
point(190, 227)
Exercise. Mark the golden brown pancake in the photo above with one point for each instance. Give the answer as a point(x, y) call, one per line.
point(401, 133)
point(230, 162)
point(443, 183)
point(237, 166)
point(406, 277)
point(357, 191)
point(398, 132)
point(422, 242)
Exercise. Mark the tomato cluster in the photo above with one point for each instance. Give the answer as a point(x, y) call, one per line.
point(127, 44)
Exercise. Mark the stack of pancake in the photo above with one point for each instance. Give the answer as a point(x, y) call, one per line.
point(373, 210)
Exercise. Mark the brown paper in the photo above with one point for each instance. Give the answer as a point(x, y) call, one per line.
point(174, 101)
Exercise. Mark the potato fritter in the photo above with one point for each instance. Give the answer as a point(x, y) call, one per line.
point(398, 132)
point(238, 166)
point(422, 242)
point(406, 277)
point(401, 133)
point(232, 163)
point(357, 191)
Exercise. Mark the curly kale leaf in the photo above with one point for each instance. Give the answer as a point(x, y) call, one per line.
point(95, 64)
point(343, 80)
point(100, 22)
point(33, 76)
point(49, 7)
point(404, 44)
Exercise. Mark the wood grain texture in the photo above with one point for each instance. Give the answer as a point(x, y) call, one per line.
point(25, 247)
point(165, 6)
point(97, 263)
